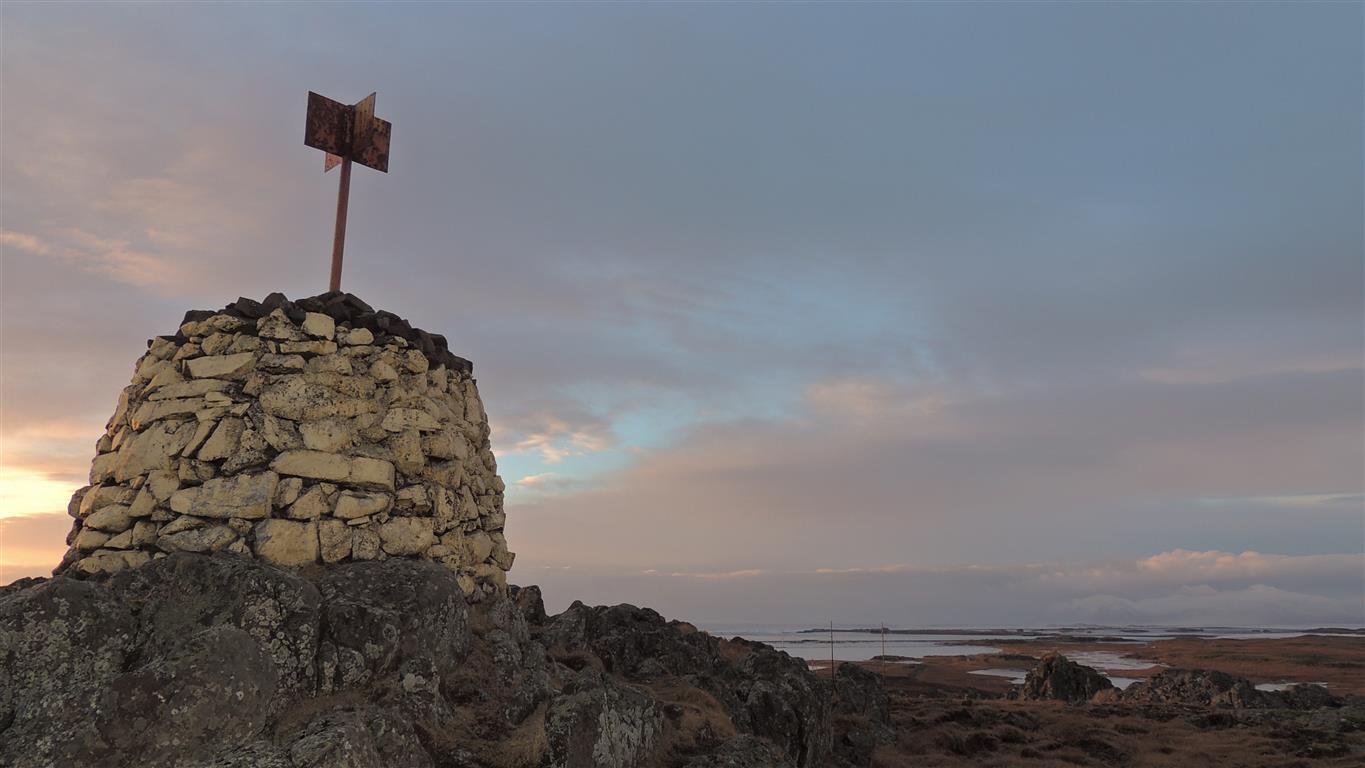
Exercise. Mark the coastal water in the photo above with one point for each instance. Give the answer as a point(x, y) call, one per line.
point(861, 646)
point(816, 645)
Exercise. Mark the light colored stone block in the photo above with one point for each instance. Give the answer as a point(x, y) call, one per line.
point(246, 496)
point(231, 367)
point(287, 542)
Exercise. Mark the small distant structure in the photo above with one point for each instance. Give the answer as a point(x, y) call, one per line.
point(346, 133)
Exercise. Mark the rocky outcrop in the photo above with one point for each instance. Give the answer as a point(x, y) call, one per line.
point(1056, 677)
point(763, 691)
point(297, 433)
point(224, 661)
point(1208, 688)
point(862, 711)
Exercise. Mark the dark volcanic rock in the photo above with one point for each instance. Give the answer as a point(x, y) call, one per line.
point(1194, 686)
point(1057, 677)
point(599, 722)
point(346, 308)
point(741, 752)
point(215, 661)
point(634, 642)
point(862, 712)
point(766, 692)
point(61, 643)
point(182, 594)
point(213, 685)
point(1201, 687)
point(384, 616)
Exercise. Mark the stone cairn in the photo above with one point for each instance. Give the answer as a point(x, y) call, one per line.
point(296, 432)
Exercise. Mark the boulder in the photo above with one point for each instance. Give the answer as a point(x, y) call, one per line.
point(862, 711)
point(599, 723)
point(1209, 688)
point(209, 687)
point(380, 615)
point(62, 642)
point(743, 751)
point(1058, 678)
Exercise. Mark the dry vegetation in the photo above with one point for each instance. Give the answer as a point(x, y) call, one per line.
point(947, 717)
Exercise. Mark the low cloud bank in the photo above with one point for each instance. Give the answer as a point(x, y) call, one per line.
point(1178, 587)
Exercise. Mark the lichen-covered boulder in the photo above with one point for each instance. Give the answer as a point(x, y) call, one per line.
point(766, 692)
point(183, 593)
point(600, 723)
point(379, 616)
point(212, 686)
point(1059, 678)
point(862, 712)
point(61, 644)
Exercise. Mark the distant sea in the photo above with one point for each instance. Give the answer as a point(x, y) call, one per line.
point(861, 644)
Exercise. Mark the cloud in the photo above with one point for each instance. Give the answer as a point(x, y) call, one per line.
point(1202, 605)
point(1266, 590)
point(722, 576)
point(559, 442)
point(1297, 501)
point(114, 258)
point(983, 477)
point(535, 481)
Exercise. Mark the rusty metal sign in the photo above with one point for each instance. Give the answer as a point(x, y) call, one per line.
point(346, 133)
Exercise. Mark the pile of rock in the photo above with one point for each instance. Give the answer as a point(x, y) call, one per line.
point(316, 431)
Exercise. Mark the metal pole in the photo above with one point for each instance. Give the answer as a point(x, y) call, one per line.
point(831, 652)
point(832, 685)
point(339, 240)
point(884, 646)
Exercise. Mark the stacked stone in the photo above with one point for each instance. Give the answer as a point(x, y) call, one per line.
point(298, 433)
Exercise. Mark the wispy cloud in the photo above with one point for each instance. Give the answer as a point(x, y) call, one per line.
point(535, 481)
point(1303, 501)
point(556, 439)
point(1235, 589)
point(116, 259)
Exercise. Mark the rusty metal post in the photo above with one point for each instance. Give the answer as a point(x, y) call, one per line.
point(345, 133)
point(339, 239)
point(831, 658)
point(884, 659)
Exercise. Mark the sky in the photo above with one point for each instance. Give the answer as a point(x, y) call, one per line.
point(925, 314)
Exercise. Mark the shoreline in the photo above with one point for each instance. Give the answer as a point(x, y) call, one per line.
point(1338, 662)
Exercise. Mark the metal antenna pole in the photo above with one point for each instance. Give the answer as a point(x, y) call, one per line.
point(831, 652)
point(831, 685)
point(884, 659)
point(339, 239)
